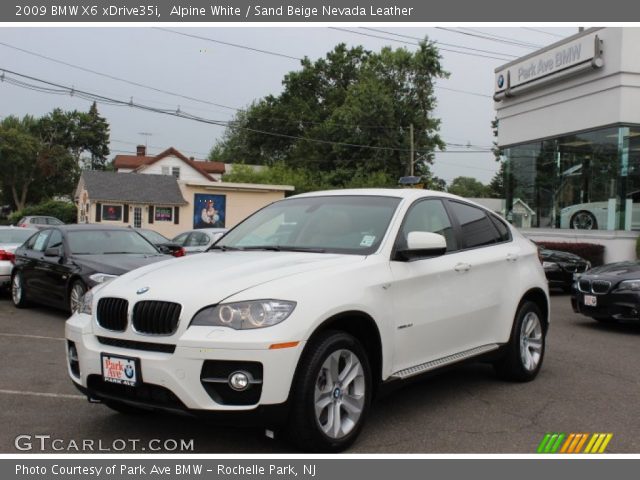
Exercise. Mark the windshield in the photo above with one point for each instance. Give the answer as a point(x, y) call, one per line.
point(15, 235)
point(337, 224)
point(153, 237)
point(99, 242)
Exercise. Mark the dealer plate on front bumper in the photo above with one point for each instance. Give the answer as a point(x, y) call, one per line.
point(590, 300)
point(120, 370)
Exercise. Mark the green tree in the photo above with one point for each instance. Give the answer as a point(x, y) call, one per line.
point(496, 189)
point(350, 97)
point(468, 187)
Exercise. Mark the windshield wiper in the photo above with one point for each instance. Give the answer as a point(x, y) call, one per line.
point(223, 248)
point(280, 248)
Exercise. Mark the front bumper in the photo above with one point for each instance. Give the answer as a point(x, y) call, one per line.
point(623, 306)
point(172, 381)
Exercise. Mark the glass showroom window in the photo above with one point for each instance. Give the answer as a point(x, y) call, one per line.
point(588, 180)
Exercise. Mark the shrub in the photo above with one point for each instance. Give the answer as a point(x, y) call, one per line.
point(64, 211)
point(589, 251)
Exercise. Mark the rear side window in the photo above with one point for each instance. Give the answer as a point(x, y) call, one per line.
point(503, 231)
point(476, 228)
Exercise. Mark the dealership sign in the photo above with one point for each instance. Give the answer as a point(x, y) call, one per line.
point(549, 64)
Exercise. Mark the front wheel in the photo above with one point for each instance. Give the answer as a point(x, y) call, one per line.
point(331, 394)
point(76, 292)
point(18, 291)
point(525, 351)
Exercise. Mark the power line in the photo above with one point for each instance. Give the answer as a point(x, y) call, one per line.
point(229, 44)
point(62, 89)
point(414, 43)
point(438, 42)
point(543, 31)
point(490, 37)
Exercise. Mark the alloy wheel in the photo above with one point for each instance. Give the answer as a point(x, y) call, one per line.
point(16, 289)
point(75, 297)
point(339, 396)
point(531, 341)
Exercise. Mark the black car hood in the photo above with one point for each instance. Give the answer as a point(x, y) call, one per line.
point(116, 264)
point(617, 271)
point(560, 256)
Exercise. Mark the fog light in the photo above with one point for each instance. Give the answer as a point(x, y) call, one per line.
point(239, 381)
point(74, 363)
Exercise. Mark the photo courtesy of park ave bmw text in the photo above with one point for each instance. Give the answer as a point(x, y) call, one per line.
point(318, 239)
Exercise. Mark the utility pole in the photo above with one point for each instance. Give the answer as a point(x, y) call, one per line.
point(411, 150)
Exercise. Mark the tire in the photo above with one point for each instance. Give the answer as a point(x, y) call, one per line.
point(125, 408)
point(76, 292)
point(583, 220)
point(18, 291)
point(317, 396)
point(524, 353)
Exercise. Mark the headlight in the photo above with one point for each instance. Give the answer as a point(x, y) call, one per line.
point(87, 302)
point(102, 277)
point(245, 315)
point(629, 285)
point(550, 266)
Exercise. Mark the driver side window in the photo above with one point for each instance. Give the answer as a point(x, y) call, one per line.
point(428, 216)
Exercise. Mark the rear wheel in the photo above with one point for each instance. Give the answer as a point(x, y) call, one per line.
point(331, 394)
point(525, 351)
point(18, 291)
point(584, 220)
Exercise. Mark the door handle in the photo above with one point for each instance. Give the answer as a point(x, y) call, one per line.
point(462, 267)
point(512, 257)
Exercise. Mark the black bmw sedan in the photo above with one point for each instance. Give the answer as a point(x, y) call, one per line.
point(56, 266)
point(560, 267)
point(609, 293)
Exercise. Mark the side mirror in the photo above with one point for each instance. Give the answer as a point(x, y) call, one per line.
point(423, 244)
point(53, 252)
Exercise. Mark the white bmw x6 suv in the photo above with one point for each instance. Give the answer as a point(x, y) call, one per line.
point(299, 314)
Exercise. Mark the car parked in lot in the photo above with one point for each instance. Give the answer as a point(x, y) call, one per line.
point(609, 293)
point(38, 221)
point(561, 267)
point(198, 241)
point(162, 243)
point(299, 314)
point(10, 239)
point(56, 266)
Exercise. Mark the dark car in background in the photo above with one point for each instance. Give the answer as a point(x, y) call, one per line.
point(56, 266)
point(162, 243)
point(561, 267)
point(609, 293)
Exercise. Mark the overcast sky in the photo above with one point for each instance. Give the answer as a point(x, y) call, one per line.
point(234, 77)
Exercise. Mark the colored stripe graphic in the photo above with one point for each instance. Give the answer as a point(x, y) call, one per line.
point(574, 442)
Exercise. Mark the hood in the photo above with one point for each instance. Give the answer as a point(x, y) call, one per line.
point(210, 277)
point(560, 256)
point(616, 271)
point(116, 264)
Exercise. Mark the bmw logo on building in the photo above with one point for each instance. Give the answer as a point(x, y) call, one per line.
point(500, 81)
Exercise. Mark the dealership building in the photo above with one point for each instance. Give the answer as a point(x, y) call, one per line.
point(569, 131)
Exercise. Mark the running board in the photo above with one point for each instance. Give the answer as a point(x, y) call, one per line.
point(441, 362)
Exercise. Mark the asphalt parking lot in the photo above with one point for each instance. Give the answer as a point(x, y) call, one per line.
point(589, 383)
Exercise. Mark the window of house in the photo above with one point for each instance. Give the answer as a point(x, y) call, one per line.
point(112, 213)
point(163, 214)
point(175, 171)
point(165, 170)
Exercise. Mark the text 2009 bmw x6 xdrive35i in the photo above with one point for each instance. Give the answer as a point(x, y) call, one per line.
point(301, 311)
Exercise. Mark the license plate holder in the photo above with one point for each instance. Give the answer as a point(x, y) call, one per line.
point(590, 300)
point(120, 370)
